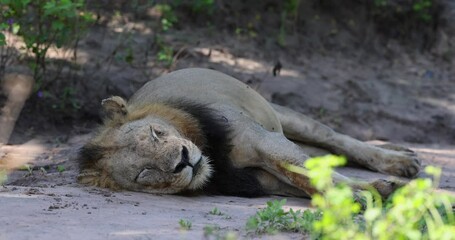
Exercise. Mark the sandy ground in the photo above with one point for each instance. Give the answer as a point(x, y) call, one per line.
point(51, 205)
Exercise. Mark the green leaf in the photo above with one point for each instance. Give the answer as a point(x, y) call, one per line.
point(16, 28)
point(2, 39)
point(58, 25)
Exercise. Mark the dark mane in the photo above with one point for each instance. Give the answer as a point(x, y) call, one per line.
point(226, 179)
point(88, 156)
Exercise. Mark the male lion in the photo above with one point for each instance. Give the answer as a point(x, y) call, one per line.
point(199, 129)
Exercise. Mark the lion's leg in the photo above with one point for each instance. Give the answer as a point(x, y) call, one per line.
point(394, 161)
point(274, 186)
point(272, 151)
point(311, 150)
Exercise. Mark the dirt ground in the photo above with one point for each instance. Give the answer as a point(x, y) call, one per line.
point(52, 205)
point(359, 81)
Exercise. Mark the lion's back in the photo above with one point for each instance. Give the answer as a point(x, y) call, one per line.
point(211, 88)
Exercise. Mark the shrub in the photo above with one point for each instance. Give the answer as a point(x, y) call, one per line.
point(43, 24)
point(416, 211)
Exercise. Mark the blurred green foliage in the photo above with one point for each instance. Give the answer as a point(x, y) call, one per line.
point(185, 224)
point(420, 8)
point(168, 17)
point(415, 211)
point(43, 24)
point(203, 6)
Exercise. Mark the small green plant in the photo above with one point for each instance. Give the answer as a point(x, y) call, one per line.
point(380, 3)
point(292, 7)
point(212, 231)
point(2, 37)
point(422, 9)
point(203, 6)
point(274, 218)
point(215, 211)
point(215, 232)
point(185, 224)
point(168, 17)
point(60, 168)
point(3, 176)
point(418, 8)
point(165, 52)
point(289, 12)
point(415, 211)
point(26, 167)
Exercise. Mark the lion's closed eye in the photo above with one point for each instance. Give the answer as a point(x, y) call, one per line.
point(160, 132)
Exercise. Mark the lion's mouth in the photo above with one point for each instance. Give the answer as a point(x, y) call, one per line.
point(197, 166)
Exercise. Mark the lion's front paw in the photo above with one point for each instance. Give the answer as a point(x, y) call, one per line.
point(398, 161)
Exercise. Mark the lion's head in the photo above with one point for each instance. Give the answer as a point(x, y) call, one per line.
point(150, 148)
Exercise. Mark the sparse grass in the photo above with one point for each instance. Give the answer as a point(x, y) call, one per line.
point(273, 219)
point(26, 167)
point(215, 211)
point(185, 224)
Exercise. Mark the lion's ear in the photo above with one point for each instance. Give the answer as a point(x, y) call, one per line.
point(114, 107)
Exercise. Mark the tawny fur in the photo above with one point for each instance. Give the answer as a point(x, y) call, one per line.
point(262, 137)
point(97, 174)
point(184, 122)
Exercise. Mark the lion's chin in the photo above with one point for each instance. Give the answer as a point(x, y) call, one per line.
point(201, 174)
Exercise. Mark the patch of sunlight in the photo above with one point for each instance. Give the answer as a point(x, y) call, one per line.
point(290, 73)
point(67, 54)
point(448, 152)
point(20, 195)
point(53, 52)
point(130, 27)
point(14, 156)
point(440, 103)
point(15, 42)
point(154, 12)
point(224, 57)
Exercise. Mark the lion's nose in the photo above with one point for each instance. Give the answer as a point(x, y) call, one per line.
point(184, 162)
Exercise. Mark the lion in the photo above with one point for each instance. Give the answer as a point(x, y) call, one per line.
point(199, 130)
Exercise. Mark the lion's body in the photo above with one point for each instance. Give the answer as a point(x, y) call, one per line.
point(215, 90)
point(219, 135)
